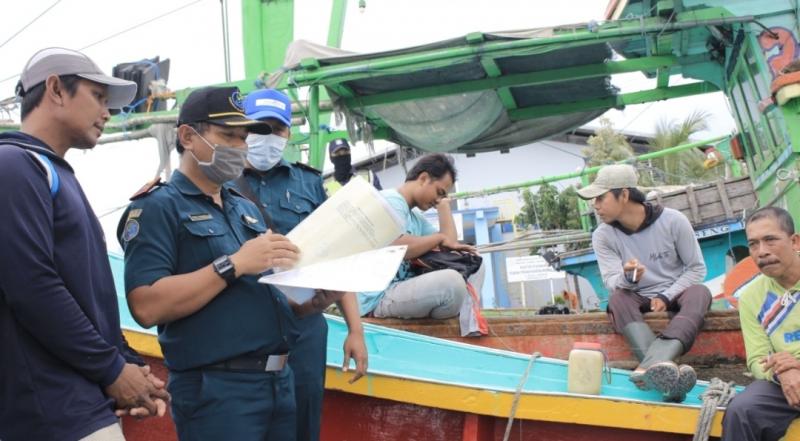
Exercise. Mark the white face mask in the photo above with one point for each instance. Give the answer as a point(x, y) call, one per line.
point(264, 151)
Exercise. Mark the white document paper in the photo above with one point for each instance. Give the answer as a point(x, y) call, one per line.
point(368, 271)
point(342, 245)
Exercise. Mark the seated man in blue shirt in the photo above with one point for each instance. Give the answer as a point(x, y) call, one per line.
point(193, 254)
point(437, 294)
point(287, 193)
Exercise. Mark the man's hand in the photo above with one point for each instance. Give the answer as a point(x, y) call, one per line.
point(780, 362)
point(134, 388)
point(443, 206)
point(455, 245)
point(324, 298)
point(790, 383)
point(355, 348)
point(634, 270)
point(657, 305)
point(142, 412)
point(263, 252)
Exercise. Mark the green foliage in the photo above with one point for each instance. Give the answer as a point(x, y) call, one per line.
point(685, 167)
point(607, 145)
point(550, 210)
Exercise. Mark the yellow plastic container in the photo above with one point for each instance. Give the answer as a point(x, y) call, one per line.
point(585, 369)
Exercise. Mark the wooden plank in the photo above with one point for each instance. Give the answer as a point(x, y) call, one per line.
point(726, 203)
point(693, 205)
point(712, 202)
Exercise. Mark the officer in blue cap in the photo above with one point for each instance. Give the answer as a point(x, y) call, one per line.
point(193, 253)
point(339, 154)
point(287, 193)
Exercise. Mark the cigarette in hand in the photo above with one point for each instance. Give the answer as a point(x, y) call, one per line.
point(634, 274)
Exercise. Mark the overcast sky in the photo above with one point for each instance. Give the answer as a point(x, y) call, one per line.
point(191, 38)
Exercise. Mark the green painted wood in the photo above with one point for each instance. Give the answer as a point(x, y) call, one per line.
point(619, 101)
point(523, 79)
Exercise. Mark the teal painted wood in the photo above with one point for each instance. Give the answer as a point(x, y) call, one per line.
point(401, 354)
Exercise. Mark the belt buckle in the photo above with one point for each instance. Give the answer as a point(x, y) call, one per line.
point(275, 362)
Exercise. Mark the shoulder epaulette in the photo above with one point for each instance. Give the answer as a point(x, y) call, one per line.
point(147, 189)
point(234, 191)
point(308, 167)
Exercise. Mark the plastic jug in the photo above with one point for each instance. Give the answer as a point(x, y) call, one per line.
point(585, 369)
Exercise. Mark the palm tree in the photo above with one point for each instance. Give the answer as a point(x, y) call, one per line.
point(685, 167)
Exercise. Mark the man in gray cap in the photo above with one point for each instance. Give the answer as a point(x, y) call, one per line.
point(650, 260)
point(65, 367)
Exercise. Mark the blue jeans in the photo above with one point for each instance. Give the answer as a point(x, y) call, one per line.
point(220, 405)
point(438, 294)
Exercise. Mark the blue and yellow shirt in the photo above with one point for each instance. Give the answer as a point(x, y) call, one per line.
point(770, 319)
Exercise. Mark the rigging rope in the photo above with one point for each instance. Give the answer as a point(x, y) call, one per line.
point(518, 394)
point(718, 394)
point(116, 34)
point(30, 23)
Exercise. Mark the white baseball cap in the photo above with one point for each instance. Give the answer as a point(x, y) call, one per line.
point(60, 61)
point(609, 178)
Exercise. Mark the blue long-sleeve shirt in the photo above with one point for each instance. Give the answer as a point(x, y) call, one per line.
point(60, 337)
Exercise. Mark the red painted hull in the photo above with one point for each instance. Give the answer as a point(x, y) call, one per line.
point(350, 417)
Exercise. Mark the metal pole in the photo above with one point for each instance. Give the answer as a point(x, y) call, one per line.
point(523, 300)
point(226, 45)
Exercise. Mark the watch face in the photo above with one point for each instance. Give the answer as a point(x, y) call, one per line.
point(224, 267)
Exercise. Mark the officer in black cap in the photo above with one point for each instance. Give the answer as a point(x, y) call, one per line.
point(339, 154)
point(193, 253)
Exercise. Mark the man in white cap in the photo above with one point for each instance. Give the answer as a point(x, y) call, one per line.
point(65, 367)
point(650, 260)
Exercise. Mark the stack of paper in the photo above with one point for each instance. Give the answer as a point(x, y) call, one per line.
point(343, 245)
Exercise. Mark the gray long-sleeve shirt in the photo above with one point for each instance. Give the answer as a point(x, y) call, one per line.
point(667, 249)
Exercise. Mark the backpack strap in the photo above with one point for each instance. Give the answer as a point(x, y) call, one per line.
point(50, 170)
point(41, 158)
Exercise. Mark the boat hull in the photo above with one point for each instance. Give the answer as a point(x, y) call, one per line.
point(359, 417)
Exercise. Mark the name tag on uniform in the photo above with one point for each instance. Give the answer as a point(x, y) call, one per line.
point(200, 217)
point(135, 213)
point(250, 219)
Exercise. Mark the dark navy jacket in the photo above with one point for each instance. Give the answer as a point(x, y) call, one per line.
point(60, 338)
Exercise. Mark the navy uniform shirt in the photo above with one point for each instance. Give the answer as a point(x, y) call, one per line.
point(60, 340)
point(288, 193)
point(176, 229)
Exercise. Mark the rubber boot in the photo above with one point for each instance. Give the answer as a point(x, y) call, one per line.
point(639, 337)
point(660, 372)
point(686, 380)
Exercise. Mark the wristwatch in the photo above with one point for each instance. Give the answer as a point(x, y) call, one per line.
point(224, 267)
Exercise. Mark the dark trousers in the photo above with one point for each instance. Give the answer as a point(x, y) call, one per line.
point(687, 312)
point(760, 413)
point(307, 360)
point(220, 405)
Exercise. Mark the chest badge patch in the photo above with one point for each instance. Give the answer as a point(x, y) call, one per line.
point(250, 219)
point(200, 217)
point(131, 230)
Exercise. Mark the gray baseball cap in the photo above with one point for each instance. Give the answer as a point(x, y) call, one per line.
point(60, 61)
point(610, 177)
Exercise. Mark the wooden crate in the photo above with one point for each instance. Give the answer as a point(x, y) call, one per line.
point(712, 203)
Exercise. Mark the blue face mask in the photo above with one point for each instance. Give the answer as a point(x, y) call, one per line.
point(264, 151)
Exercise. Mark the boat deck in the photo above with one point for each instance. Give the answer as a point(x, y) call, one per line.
point(553, 335)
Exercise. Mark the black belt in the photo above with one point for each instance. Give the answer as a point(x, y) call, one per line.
point(251, 363)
